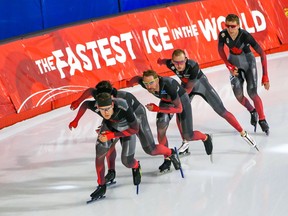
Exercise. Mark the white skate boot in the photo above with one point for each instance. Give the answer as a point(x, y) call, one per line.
point(184, 148)
point(250, 140)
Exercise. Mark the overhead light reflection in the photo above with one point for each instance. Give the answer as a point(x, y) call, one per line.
point(63, 187)
point(283, 149)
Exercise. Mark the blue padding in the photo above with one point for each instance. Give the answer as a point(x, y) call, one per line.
point(18, 17)
point(127, 5)
point(57, 12)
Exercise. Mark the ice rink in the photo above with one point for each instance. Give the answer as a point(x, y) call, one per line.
point(46, 169)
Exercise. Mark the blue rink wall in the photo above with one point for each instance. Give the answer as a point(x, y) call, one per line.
point(20, 17)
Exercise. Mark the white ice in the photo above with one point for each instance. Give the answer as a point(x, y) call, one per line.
point(46, 169)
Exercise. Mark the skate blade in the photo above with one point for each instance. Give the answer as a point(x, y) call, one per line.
point(164, 172)
point(255, 128)
point(211, 158)
point(267, 133)
point(184, 154)
point(111, 183)
point(181, 172)
point(137, 189)
point(180, 165)
point(256, 148)
point(94, 200)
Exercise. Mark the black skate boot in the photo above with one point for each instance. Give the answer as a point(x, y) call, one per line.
point(208, 145)
point(136, 172)
point(110, 176)
point(165, 167)
point(175, 160)
point(264, 126)
point(254, 119)
point(98, 193)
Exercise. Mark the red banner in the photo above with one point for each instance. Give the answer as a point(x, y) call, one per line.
point(46, 68)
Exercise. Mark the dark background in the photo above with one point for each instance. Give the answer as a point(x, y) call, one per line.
point(21, 17)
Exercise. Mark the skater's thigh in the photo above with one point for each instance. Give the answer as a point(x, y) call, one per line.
point(185, 118)
point(237, 85)
point(102, 148)
point(128, 150)
point(128, 145)
point(145, 134)
point(211, 96)
point(163, 120)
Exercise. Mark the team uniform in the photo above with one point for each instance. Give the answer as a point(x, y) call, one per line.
point(144, 133)
point(171, 95)
point(241, 56)
point(122, 124)
point(193, 76)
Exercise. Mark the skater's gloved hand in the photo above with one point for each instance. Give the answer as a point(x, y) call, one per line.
point(133, 81)
point(106, 135)
point(265, 82)
point(233, 69)
point(98, 129)
point(73, 124)
point(230, 66)
point(153, 107)
point(161, 61)
point(74, 105)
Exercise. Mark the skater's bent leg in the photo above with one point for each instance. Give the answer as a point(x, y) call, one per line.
point(162, 126)
point(198, 135)
point(129, 161)
point(146, 137)
point(237, 87)
point(161, 150)
point(216, 103)
point(186, 122)
point(257, 102)
point(144, 134)
point(180, 128)
point(148, 143)
point(230, 118)
point(111, 157)
point(101, 151)
point(128, 151)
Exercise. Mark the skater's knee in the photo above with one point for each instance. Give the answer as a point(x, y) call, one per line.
point(163, 121)
point(188, 136)
point(252, 93)
point(128, 161)
point(101, 150)
point(162, 126)
point(225, 114)
point(240, 98)
point(149, 150)
point(221, 112)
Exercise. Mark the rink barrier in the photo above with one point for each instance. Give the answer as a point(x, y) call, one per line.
point(47, 71)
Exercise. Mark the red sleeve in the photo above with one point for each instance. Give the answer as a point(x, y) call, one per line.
point(176, 109)
point(86, 94)
point(222, 52)
point(262, 54)
point(84, 106)
point(133, 125)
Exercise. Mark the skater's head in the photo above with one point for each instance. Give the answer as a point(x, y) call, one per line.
point(104, 86)
point(105, 104)
point(232, 23)
point(179, 59)
point(151, 80)
point(232, 18)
